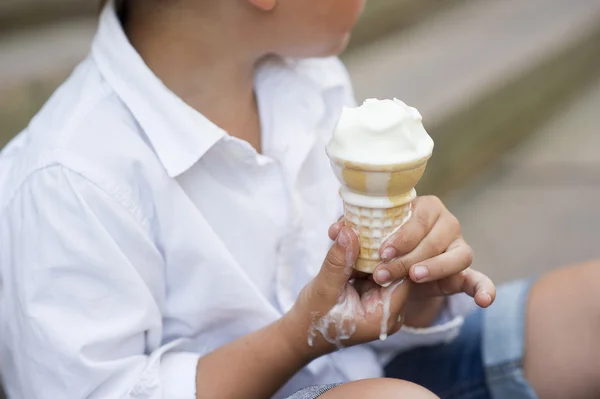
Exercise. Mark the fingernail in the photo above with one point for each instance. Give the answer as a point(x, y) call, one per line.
point(399, 318)
point(383, 277)
point(420, 272)
point(487, 296)
point(343, 239)
point(388, 254)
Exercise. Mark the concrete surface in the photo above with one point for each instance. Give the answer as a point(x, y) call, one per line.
point(44, 51)
point(383, 17)
point(538, 207)
point(22, 15)
point(456, 57)
point(484, 74)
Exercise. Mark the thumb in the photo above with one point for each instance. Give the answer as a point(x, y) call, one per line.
point(338, 265)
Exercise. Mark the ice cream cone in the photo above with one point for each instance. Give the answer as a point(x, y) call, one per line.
point(377, 201)
point(378, 152)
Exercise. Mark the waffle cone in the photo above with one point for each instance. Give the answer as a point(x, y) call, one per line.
point(373, 226)
point(377, 201)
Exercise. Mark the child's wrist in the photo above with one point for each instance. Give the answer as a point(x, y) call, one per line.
point(295, 333)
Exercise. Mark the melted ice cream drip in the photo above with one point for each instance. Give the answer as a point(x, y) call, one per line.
point(341, 319)
point(387, 304)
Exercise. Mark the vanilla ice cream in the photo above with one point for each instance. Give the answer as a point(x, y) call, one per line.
point(380, 132)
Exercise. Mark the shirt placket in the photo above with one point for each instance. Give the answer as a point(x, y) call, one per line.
point(293, 247)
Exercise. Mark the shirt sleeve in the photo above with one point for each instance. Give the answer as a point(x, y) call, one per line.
point(445, 329)
point(81, 306)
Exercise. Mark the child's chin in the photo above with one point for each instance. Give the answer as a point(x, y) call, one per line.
point(337, 47)
point(322, 50)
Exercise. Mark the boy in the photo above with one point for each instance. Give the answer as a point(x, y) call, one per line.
point(162, 220)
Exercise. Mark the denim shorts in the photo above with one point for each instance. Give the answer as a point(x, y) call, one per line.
point(484, 362)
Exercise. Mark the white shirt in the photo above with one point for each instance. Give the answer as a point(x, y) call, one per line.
point(137, 236)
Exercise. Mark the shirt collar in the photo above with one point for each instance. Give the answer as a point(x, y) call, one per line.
point(179, 135)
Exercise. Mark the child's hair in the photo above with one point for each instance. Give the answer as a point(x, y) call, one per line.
point(103, 3)
point(119, 4)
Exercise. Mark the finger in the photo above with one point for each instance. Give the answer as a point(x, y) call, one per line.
point(394, 298)
point(457, 258)
point(444, 232)
point(335, 229)
point(470, 281)
point(338, 265)
point(425, 213)
point(480, 287)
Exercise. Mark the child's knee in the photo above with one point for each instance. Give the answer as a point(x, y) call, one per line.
point(562, 324)
point(380, 388)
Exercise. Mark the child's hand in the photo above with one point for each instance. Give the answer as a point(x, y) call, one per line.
point(332, 312)
point(430, 249)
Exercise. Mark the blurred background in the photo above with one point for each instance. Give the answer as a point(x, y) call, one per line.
point(509, 90)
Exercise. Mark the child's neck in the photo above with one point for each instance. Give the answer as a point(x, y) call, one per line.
point(199, 63)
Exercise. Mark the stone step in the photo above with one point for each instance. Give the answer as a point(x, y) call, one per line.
point(536, 208)
point(383, 17)
point(33, 64)
point(44, 51)
point(483, 75)
point(21, 15)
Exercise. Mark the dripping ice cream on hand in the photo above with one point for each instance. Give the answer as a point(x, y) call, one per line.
point(378, 152)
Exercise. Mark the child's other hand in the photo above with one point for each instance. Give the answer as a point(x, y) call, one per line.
point(431, 251)
point(337, 309)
